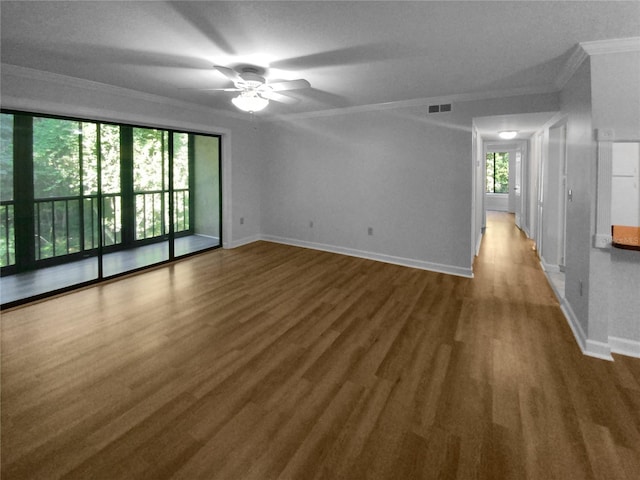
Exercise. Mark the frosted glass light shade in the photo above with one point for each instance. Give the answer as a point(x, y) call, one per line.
point(508, 135)
point(250, 102)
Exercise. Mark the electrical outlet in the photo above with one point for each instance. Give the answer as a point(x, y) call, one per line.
point(370, 230)
point(605, 134)
point(241, 220)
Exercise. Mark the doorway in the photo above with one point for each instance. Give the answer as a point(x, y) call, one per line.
point(554, 200)
point(504, 169)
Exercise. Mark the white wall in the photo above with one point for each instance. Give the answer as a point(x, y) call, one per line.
point(381, 170)
point(406, 174)
point(601, 284)
point(41, 92)
point(576, 104)
point(497, 201)
point(616, 96)
point(615, 274)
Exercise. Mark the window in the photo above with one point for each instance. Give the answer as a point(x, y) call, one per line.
point(57, 172)
point(7, 227)
point(181, 186)
point(76, 190)
point(150, 182)
point(110, 183)
point(497, 172)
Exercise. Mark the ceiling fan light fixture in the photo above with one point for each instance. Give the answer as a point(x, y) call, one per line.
point(250, 102)
point(507, 134)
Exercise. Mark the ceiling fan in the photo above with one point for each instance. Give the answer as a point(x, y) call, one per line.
point(255, 91)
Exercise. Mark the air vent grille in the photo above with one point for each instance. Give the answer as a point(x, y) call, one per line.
point(445, 107)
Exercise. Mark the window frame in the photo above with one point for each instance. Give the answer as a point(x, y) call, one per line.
point(493, 176)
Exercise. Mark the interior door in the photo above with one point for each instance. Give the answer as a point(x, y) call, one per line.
point(562, 196)
point(542, 171)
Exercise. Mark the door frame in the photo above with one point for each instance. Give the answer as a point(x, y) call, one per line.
point(518, 146)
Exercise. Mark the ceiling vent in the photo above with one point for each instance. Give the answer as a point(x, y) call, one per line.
point(445, 107)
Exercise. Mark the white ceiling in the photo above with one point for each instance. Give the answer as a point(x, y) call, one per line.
point(352, 53)
point(525, 124)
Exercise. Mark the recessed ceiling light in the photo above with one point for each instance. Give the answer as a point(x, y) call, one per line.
point(507, 134)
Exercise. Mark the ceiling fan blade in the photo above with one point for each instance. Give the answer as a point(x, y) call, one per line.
point(289, 85)
point(229, 73)
point(325, 98)
point(196, 16)
point(355, 55)
point(277, 97)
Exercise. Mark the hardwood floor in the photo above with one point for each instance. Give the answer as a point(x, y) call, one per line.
point(270, 361)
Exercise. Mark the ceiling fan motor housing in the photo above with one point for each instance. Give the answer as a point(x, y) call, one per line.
point(251, 78)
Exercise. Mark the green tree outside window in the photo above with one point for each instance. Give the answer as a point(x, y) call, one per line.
point(497, 172)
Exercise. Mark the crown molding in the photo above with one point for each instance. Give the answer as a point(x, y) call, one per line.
point(578, 56)
point(416, 102)
point(615, 45)
point(584, 50)
point(90, 85)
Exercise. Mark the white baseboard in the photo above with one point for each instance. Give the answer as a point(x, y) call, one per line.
point(554, 287)
point(623, 346)
point(549, 267)
point(479, 243)
point(600, 350)
point(574, 324)
point(588, 347)
point(242, 241)
point(405, 262)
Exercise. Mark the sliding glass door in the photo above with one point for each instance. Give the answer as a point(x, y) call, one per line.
point(84, 200)
point(144, 201)
point(56, 198)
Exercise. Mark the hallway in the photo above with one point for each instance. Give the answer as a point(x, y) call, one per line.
point(269, 361)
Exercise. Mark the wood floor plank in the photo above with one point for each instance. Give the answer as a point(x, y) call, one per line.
point(270, 361)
